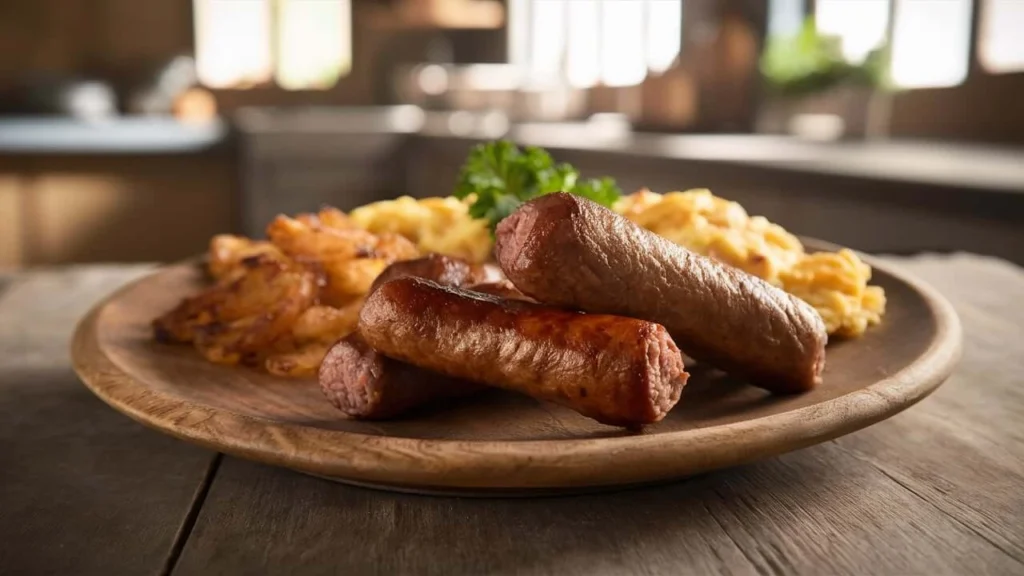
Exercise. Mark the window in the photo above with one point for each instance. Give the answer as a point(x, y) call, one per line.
point(233, 42)
point(859, 24)
point(583, 57)
point(1001, 46)
point(664, 33)
point(785, 17)
point(931, 43)
point(586, 42)
point(299, 44)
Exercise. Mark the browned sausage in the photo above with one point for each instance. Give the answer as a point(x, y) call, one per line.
point(447, 270)
point(568, 251)
point(616, 370)
point(364, 384)
point(502, 289)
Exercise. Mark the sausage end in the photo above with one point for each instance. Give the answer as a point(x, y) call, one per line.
point(344, 376)
point(666, 372)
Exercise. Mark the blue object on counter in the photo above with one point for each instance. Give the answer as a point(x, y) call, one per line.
point(143, 135)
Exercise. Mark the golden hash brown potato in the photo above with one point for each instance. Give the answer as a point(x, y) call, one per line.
point(835, 284)
point(314, 332)
point(350, 258)
point(329, 217)
point(227, 253)
point(350, 279)
point(303, 362)
point(312, 335)
point(280, 303)
point(246, 316)
point(441, 225)
point(309, 240)
point(327, 323)
point(334, 218)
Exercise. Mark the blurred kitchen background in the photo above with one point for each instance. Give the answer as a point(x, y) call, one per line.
point(134, 130)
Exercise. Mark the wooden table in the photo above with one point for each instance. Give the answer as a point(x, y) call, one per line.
point(938, 489)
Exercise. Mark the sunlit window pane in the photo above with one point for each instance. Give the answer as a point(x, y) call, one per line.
point(860, 24)
point(664, 33)
point(314, 43)
point(623, 57)
point(583, 63)
point(547, 41)
point(1001, 48)
point(931, 42)
point(518, 38)
point(232, 42)
point(785, 17)
point(583, 42)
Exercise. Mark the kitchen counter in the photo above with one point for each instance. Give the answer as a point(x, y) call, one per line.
point(948, 164)
point(46, 135)
point(933, 163)
point(59, 179)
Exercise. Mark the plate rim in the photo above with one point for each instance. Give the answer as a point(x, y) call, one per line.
point(411, 463)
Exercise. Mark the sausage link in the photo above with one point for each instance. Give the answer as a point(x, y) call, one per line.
point(618, 371)
point(366, 385)
point(447, 270)
point(502, 289)
point(567, 251)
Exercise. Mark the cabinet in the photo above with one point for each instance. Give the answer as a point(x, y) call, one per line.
point(111, 208)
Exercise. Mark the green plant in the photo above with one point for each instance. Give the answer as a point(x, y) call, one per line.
point(809, 62)
point(501, 177)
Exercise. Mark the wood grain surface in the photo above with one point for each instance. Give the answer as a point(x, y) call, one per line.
point(82, 490)
point(938, 489)
point(500, 441)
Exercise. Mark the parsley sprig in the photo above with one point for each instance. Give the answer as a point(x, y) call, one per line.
point(502, 177)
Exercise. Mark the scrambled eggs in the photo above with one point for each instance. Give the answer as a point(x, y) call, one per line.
point(835, 284)
point(441, 225)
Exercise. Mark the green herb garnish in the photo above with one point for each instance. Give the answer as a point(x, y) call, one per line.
point(502, 177)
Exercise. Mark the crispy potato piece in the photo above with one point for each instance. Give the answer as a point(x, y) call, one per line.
point(333, 218)
point(227, 252)
point(394, 247)
point(212, 305)
point(310, 240)
point(307, 219)
point(328, 217)
point(265, 309)
point(352, 279)
point(326, 323)
point(314, 332)
point(230, 321)
point(300, 363)
point(350, 258)
point(180, 324)
point(348, 280)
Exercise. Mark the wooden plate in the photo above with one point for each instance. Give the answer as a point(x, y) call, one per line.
point(501, 442)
